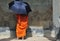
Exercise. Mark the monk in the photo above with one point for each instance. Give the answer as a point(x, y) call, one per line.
point(22, 20)
point(22, 25)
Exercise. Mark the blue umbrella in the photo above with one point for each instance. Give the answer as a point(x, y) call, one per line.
point(19, 7)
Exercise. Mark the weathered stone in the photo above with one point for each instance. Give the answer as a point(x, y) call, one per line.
point(41, 14)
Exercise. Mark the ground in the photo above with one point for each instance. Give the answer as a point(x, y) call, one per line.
point(28, 39)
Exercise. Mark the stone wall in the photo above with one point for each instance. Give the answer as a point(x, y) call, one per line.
point(41, 13)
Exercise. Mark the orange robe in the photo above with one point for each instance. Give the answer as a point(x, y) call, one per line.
point(22, 24)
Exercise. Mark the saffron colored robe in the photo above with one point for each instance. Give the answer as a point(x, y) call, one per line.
point(22, 24)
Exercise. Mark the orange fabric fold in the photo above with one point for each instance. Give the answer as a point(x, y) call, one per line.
point(22, 24)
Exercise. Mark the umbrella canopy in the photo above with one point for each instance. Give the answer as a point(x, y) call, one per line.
point(19, 7)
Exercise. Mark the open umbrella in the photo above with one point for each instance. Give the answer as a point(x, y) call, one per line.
point(19, 7)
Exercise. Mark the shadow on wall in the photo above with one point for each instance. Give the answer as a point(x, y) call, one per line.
point(7, 20)
point(29, 32)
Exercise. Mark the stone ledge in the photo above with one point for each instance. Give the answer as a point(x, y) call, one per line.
point(6, 32)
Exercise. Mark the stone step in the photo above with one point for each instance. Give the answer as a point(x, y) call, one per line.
point(32, 30)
